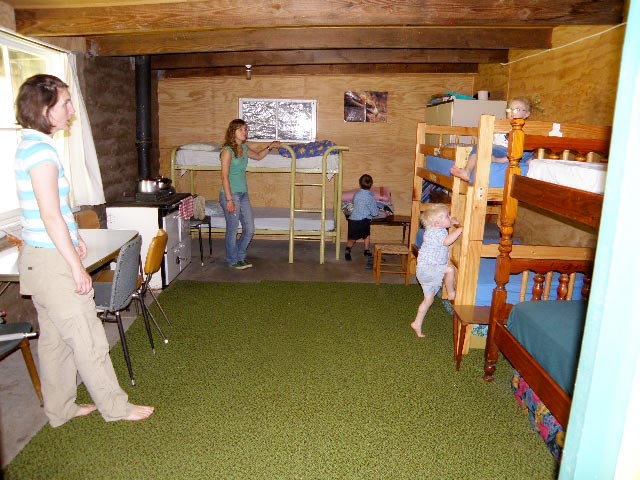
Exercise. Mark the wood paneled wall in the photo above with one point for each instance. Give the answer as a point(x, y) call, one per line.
point(7, 16)
point(199, 110)
point(575, 84)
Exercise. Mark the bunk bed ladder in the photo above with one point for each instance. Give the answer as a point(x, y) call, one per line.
point(322, 211)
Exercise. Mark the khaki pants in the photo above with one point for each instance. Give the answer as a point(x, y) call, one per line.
point(72, 340)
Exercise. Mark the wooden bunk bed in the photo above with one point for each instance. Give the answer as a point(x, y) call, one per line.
point(576, 205)
point(472, 202)
point(319, 223)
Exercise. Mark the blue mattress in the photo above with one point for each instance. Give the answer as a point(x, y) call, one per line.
point(442, 166)
point(552, 333)
point(486, 282)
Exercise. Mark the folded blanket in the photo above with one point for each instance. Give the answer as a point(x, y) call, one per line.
point(307, 150)
point(381, 194)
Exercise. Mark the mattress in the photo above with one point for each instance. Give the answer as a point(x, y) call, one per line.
point(486, 280)
point(590, 177)
point(581, 175)
point(278, 219)
point(442, 166)
point(487, 283)
point(190, 158)
point(552, 333)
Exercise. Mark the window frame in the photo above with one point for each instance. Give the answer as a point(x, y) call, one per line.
point(55, 64)
point(269, 125)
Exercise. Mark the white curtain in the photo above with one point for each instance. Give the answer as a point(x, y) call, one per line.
point(81, 160)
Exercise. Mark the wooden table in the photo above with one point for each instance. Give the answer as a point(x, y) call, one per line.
point(395, 221)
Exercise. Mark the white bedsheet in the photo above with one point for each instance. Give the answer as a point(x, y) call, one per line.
point(278, 219)
point(581, 175)
point(272, 160)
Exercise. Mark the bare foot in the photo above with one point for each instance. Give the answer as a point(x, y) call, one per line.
point(460, 173)
point(139, 412)
point(419, 333)
point(85, 409)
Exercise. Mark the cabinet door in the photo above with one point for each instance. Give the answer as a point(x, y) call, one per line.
point(439, 115)
point(172, 225)
point(466, 113)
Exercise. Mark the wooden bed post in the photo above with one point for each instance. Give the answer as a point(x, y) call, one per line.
point(416, 196)
point(503, 261)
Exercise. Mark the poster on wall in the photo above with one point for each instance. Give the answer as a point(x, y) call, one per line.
point(369, 107)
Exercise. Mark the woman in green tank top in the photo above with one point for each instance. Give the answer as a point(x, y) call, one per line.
point(234, 196)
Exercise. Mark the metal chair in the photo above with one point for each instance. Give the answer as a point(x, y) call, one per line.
point(115, 295)
point(155, 255)
point(197, 224)
point(14, 336)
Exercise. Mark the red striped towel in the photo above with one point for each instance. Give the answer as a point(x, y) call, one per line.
point(185, 210)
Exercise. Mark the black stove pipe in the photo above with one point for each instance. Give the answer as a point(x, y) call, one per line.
point(143, 115)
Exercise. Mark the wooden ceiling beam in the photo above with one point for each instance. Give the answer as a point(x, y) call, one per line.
point(341, 69)
point(212, 14)
point(225, 40)
point(327, 57)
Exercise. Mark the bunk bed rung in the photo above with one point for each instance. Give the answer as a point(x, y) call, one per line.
point(308, 185)
point(307, 210)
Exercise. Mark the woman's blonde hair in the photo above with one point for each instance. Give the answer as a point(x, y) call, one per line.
point(433, 212)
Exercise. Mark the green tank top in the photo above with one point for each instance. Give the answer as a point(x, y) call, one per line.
point(238, 170)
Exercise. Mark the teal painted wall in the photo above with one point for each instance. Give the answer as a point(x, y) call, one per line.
point(611, 345)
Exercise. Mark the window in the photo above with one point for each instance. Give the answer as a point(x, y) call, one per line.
point(279, 119)
point(19, 59)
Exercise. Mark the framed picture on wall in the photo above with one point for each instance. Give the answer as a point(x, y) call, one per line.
point(370, 107)
point(285, 120)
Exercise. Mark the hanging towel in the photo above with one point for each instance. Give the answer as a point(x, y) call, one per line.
point(185, 210)
point(199, 208)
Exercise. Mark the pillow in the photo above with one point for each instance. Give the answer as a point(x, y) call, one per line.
point(201, 147)
point(306, 150)
point(213, 208)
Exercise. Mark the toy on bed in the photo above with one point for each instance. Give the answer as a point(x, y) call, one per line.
point(323, 158)
point(471, 202)
point(541, 339)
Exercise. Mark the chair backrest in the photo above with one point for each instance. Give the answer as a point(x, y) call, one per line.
point(8, 346)
point(125, 275)
point(155, 253)
point(87, 219)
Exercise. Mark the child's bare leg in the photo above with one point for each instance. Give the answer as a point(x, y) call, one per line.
point(367, 242)
point(449, 277)
point(465, 173)
point(423, 308)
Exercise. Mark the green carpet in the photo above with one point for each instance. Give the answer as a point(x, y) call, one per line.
point(281, 380)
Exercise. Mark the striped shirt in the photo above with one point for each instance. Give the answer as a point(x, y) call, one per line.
point(35, 149)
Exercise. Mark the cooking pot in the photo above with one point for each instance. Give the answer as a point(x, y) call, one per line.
point(154, 185)
point(163, 183)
